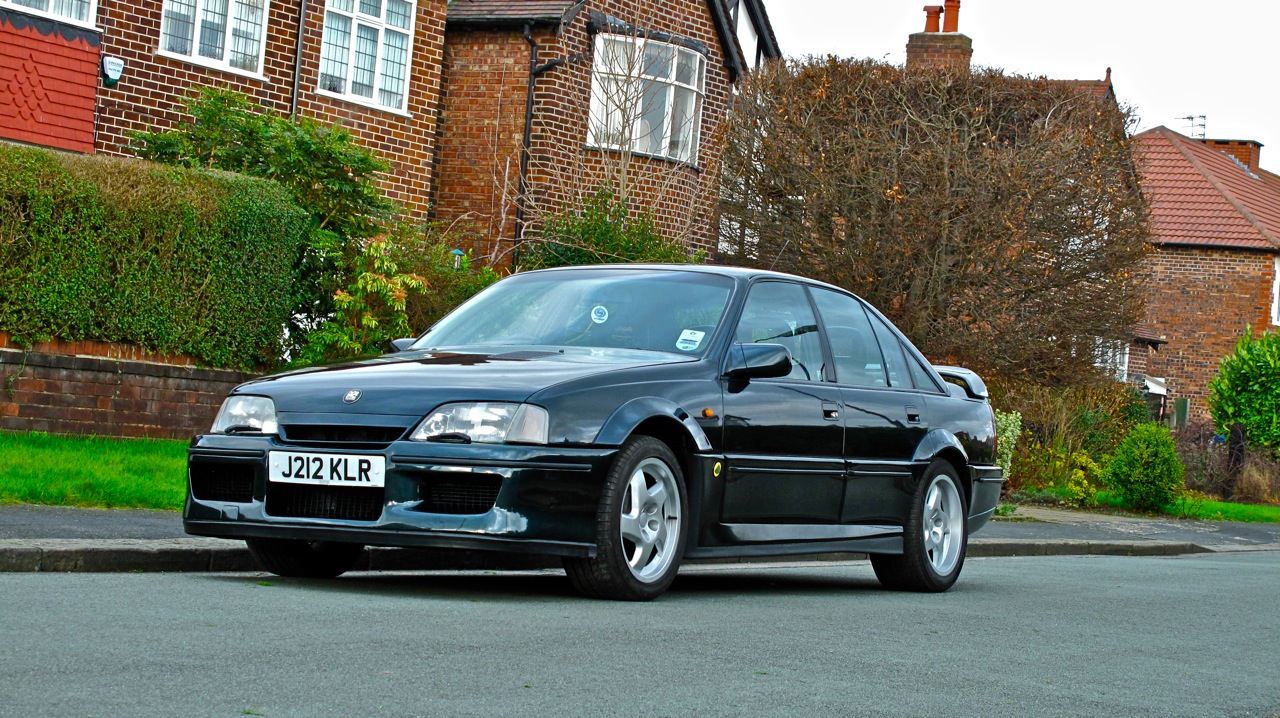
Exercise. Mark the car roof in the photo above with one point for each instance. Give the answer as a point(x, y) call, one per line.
point(743, 274)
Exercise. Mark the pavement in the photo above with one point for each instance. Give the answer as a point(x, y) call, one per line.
point(60, 539)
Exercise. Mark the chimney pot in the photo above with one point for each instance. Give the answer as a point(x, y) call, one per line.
point(932, 14)
point(951, 21)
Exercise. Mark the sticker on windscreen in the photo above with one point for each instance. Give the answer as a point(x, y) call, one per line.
point(690, 339)
point(599, 314)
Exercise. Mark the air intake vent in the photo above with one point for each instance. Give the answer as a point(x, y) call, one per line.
point(222, 481)
point(453, 494)
point(340, 434)
point(324, 502)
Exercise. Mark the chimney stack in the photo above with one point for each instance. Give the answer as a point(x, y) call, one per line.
point(940, 49)
point(1246, 151)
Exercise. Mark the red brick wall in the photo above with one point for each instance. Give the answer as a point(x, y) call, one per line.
point(1200, 302)
point(48, 77)
point(150, 93)
point(933, 49)
point(101, 389)
point(486, 75)
point(482, 85)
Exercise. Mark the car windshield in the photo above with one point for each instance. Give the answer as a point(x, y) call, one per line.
point(653, 310)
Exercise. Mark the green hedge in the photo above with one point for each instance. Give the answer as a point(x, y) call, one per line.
point(179, 261)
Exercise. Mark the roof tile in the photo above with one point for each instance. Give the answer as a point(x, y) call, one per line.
point(507, 10)
point(1201, 196)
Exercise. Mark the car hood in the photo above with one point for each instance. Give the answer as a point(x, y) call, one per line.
point(414, 382)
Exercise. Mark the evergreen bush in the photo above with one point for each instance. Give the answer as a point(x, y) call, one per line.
point(1145, 470)
point(1247, 389)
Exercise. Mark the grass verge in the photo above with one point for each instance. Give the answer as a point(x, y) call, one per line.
point(92, 471)
point(1186, 508)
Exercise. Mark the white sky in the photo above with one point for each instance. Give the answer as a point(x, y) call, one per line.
point(1169, 59)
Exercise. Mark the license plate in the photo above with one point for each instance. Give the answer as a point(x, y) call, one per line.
point(294, 467)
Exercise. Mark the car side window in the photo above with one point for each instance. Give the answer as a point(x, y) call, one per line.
point(895, 361)
point(852, 340)
point(779, 313)
point(924, 381)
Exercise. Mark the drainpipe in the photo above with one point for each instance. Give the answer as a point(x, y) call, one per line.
point(526, 144)
point(297, 61)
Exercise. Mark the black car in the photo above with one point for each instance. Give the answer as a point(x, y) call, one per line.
point(624, 418)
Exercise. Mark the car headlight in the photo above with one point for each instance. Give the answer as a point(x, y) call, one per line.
point(485, 422)
point(245, 414)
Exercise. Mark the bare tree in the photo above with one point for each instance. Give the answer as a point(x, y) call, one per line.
point(997, 220)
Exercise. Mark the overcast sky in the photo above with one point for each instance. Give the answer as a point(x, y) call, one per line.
point(1169, 59)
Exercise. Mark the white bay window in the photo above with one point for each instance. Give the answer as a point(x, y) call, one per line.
point(224, 34)
point(646, 97)
point(77, 12)
point(365, 51)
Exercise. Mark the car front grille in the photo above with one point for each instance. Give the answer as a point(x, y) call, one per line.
point(472, 494)
point(324, 502)
point(340, 434)
point(222, 481)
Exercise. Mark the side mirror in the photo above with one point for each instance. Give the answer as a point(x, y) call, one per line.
point(972, 384)
point(399, 345)
point(758, 361)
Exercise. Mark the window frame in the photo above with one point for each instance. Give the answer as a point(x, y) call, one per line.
point(90, 24)
point(223, 65)
point(632, 78)
point(357, 18)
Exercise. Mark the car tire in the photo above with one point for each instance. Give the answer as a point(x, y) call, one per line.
point(640, 526)
point(305, 559)
point(934, 539)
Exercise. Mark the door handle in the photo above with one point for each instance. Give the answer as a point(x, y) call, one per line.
point(913, 414)
point(830, 411)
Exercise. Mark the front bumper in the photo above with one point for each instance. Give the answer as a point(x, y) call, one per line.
point(539, 499)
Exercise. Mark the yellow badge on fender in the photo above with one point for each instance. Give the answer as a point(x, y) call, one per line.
point(715, 470)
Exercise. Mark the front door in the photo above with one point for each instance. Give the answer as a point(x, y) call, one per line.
point(783, 438)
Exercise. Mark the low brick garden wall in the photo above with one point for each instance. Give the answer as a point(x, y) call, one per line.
point(108, 390)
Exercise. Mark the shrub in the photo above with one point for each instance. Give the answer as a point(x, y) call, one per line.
point(1008, 429)
point(1146, 470)
point(1259, 480)
point(178, 261)
point(427, 250)
point(1247, 389)
point(1204, 455)
point(602, 231)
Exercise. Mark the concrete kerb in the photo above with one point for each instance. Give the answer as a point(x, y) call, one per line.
point(219, 555)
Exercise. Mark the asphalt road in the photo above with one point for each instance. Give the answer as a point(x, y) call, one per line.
point(1069, 636)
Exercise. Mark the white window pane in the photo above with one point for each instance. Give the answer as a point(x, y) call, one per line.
point(179, 26)
point(615, 55)
point(333, 53)
point(687, 69)
point(213, 29)
point(702, 71)
point(651, 132)
point(41, 5)
point(658, 60)
point(399, 13)
point(74, 9)
point(372, 8)
point(246, 34)
point(682, 124)
point(607, 112)
point(395, 65)
point(365, 60)
point(343, 5)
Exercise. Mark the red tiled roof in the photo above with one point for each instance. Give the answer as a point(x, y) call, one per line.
point(1098, 88)
point(507, 10)
point(1201, 196)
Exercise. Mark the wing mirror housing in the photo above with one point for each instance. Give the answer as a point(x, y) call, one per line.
point(399, 345)
point(973, 386)
point(758, 361)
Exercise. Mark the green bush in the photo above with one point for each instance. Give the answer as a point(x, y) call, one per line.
point(427, 250)
point(602, 231)
point(1247, 389)
point(1008, 430)
point(180, 261)
point(1145, 470)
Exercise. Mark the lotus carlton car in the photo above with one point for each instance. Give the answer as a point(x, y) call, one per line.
point(621, 417)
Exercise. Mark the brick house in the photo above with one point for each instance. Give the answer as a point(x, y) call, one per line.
point(545, 101)
point(1213, 268)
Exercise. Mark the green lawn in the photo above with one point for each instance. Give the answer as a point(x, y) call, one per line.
point(1205, 510)
point(92, 471)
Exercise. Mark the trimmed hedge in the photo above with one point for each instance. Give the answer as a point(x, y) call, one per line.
point(192, 262)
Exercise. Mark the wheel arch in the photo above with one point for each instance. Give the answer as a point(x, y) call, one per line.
point(942, 444)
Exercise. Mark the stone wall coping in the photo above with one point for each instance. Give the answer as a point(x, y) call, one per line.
point(82, 362)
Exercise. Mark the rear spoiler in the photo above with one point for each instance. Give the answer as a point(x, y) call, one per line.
point(965, 379)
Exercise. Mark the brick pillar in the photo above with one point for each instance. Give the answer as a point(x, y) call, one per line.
point(1247, 151)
